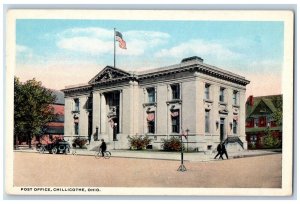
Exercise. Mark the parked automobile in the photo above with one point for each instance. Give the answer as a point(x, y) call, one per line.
point(58, 146)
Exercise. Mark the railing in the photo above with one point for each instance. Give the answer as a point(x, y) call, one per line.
point(234, 139)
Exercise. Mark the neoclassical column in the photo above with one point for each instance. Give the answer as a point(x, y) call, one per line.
point(121, 112)
point(103, 116)
point(96, 113)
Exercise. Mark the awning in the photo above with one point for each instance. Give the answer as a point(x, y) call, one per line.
point(151, 117)
point(174, 113)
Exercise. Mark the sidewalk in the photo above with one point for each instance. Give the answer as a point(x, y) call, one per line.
point(188, 156)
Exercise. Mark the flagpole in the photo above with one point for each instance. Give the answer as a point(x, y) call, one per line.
point(114, 47)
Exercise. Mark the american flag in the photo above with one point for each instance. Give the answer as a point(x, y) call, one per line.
point(119, 38)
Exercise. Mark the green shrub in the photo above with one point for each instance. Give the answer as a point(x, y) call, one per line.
point(139, 142)
point(172, 144)
point(252, 145)
point(271, 142)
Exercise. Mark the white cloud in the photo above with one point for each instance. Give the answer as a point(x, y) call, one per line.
point(200, 48)
point(92, 32)
point(24, 53)
point(92, 46)
point(22, 48)
point(147, 38)
point(97, 41)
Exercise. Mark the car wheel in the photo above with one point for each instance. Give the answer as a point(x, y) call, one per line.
point(54, 150)
point(67, 150)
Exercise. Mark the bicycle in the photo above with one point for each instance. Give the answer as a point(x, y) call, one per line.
point(98, 154)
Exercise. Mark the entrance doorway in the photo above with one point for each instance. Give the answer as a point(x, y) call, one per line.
point(113, 103)
point(222, 128)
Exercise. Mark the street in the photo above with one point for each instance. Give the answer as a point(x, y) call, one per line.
point(33, 169)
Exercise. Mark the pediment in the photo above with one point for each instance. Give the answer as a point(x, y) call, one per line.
point(107, 74)
point(261, 108)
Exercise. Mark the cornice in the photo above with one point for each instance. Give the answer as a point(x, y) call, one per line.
point(77, 89)
point(223, 75)
point(199, 68)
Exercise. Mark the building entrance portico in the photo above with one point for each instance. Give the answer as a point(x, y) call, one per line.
point(109, 111)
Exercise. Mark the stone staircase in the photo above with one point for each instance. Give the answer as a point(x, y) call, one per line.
point(94, 145)
point(234, 144)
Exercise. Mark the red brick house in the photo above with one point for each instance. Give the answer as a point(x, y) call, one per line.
point(54, 129)
point(260, 120)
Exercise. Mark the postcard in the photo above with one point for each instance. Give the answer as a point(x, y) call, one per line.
point(149, 102)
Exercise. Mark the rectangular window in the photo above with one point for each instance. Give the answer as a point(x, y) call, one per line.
point(250, 123)
point(151, 127)
point(151, 95)
point(234, 127)
point(221, 96)
point(262, 121)
point(175, 91)
point(151, 122)
point(76, 107)
point(90, 103)
point(235, 97)
point(175, 121)
point(273, 123)
point(206, 91)
point(207, 121)
point(256, 123)
point(76, 128)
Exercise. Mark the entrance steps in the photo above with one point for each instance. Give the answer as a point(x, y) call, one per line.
point(234, 144)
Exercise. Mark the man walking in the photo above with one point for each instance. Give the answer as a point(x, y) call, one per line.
point(219, 149)
point(224, 151)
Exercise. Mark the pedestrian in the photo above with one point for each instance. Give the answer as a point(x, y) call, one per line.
point(219, 149)
point(224, 151)
point(103, 147)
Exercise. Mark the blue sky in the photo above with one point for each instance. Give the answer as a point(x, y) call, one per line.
point(247, 48)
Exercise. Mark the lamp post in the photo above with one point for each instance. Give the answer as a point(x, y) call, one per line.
point(187, 139)
point(115, 134)
point(182, 167)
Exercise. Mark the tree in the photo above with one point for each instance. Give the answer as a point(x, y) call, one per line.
point(32, 110)
point(277, 114)
point(269, 140)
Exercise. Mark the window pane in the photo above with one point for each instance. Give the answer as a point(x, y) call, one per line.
point(76, 128)
point(206, 93)
point(151, 95)
point(235, 93)
point(234, 126)
point(256, 122)
point(221, 98)
point(175, 91)
point(76, 100)
point(151, 127)
point(175, 122)
point(206, 120)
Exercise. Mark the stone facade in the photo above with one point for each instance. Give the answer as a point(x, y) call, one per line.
point(160, 103)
